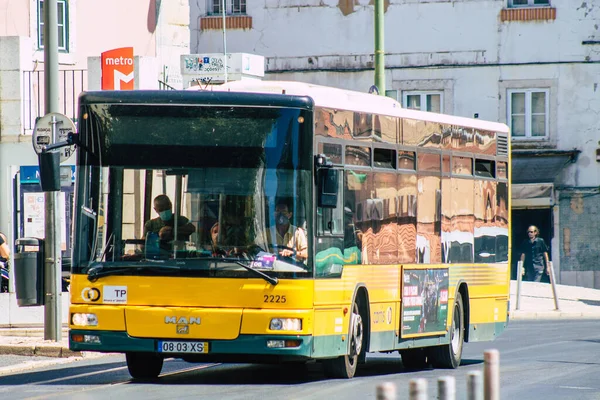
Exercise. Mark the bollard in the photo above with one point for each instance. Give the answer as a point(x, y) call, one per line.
point(552, 281)
point(491, 380)
point(417, 389)
point(519, 279)
point(474, 385)
point(386, 391)
point(446, 388)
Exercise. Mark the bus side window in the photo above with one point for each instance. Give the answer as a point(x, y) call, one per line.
point(330, 221)
point(329, 244)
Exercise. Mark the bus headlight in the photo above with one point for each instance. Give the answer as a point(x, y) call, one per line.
point(81, 319)
point(286, 324)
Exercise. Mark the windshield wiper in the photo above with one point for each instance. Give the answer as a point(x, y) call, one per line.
point(99, 271)
point(271, 279)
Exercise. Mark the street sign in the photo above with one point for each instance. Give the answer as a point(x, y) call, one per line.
point(42, 133)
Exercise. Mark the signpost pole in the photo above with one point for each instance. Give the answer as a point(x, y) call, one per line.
point(223, 11)
point(52, 280)
point(379, 51)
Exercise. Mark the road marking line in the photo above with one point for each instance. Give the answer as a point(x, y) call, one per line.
point(577, 387)
point(46, 396)
point(189, 369)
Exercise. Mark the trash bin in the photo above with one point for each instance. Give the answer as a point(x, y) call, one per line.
point(29, 271)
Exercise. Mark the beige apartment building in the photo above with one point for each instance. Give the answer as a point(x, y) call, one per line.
point(158, 31)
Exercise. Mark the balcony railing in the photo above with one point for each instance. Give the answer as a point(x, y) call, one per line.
point(70, 83)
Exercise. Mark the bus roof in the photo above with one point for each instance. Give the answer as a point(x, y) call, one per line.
point(342, 99)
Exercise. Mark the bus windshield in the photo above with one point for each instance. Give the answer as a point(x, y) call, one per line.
point(193, 191)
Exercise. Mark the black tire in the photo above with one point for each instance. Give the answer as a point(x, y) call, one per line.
point(344, 367)
point(414, 358)
point(144, 366)
point(449, 355)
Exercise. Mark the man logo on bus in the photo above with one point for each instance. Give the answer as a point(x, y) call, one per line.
point(182, 320)
point(117, 69)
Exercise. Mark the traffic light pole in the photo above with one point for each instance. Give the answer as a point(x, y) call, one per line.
point(52, 262)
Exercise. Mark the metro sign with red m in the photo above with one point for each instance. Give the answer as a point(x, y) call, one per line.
point(117, 69)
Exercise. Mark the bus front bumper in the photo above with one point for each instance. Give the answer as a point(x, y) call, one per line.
point(254, 348)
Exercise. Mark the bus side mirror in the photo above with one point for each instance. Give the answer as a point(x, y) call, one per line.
point(49, 170)
point(327, 187)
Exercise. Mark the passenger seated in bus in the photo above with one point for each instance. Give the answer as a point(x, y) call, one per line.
point(216, 249)
point(226, 241)
point(165, 223)
point(288, 235)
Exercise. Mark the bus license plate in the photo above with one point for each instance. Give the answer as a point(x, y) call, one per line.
point(182, 347)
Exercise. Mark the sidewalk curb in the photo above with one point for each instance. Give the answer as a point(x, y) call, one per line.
point(550, 315)
point(40, 351)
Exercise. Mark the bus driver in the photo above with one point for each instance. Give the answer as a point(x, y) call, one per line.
point(288, 235)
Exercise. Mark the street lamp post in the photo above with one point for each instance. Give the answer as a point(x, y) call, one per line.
point(379, 52)
point(52, 262)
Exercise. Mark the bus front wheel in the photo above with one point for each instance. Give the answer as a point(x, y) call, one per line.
point(144, 366)
point(345, 366)
point(449, 355)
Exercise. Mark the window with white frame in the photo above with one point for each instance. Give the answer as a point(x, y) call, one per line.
point(232, 7)
point(528, 113)
point(424, 101)
point(62, 22)
point(528, 3)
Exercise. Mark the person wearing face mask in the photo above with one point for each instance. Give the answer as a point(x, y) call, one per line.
point(164, 224)
point(288, 235)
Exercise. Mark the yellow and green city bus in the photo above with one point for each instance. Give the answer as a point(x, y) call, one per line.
point(405, 216)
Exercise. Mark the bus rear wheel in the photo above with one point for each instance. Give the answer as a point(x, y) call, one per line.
point(345, 366)
point(144, 366)
point(449, 355)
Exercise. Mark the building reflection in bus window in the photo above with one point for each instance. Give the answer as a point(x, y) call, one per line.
point(333, 123)
point(407, 160)
point(333, 151)
point(484, 230)
point(406, 204)
point(462, 138)
point(421, 133)
point(501, 222)
point(446, 218)
point(358, 155)
point(428, 234)
point(485, 142)
point(385, 223)
point(363, 125)
point(460, 248)
point(386, 128)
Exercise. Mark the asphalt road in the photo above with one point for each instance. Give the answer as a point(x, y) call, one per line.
point(538, 360)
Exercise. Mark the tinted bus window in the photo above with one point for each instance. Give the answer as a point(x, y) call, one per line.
point(406, 160)
point(429, 162)
point(332, 151)
point(356, 155)
point(384, 158)
point(462, 165)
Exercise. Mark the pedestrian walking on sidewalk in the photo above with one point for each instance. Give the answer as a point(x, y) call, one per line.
point(534, 256)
